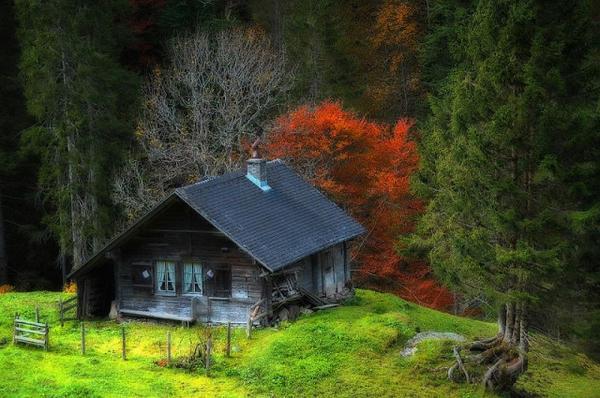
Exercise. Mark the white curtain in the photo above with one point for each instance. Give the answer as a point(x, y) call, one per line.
point(198, 277)
point(187, 278)
point(192, 278)
point(171, 276)
point(165, 276)
point(160, 275)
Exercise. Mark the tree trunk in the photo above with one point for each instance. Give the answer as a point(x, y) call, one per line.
point(504, 356)
point(75, 200)
point(75, 206)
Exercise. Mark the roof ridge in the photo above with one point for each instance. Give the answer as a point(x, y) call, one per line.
point(227, 176)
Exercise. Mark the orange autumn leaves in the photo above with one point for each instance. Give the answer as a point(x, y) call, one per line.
point(365, 167)
point(392, 63)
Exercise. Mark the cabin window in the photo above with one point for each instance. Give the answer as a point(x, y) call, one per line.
point(165, 277)
point(141, 276)
point(217, 280)
point(192, 278)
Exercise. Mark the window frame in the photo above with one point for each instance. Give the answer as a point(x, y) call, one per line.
point(209, 285)
point(136, 270)
point(157, 282)
point(184, 265)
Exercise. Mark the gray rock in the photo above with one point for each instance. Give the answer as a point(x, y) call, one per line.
point(411, 345)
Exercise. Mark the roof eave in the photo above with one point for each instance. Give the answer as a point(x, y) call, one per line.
point(321, 248)
point(119, 238)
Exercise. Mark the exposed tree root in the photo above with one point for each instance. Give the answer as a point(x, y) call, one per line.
point(503, 363)
point(460, 365)
point(483, 345)
point(496, 362)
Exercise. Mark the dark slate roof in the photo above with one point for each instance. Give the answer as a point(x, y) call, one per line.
point(276, 227)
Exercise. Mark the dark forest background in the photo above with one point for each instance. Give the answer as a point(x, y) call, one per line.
point(329, 44)
point(506, 94)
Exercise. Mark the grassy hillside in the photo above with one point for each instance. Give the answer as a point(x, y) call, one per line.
point(349, 351)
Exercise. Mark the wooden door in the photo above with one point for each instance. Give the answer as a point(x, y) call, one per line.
point(329, 286)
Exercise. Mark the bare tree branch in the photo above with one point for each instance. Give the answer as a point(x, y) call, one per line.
point(217, 93)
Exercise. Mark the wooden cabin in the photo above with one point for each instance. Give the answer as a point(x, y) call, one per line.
point(225, 249)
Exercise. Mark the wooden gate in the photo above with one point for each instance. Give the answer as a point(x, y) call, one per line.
point(29, 332)
point(67, 310)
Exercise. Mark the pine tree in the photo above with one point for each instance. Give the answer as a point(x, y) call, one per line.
point(326, 44)
point(12, 119)
point(509, 163)
point(81, 98)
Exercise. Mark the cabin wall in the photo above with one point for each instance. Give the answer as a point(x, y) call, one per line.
point(325, 273)
point(179, 234)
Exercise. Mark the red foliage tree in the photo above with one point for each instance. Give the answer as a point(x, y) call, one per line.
point(365, 167)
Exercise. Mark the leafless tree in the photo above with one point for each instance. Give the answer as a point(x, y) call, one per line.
point(218, 92)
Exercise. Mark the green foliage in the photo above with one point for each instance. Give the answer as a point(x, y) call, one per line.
point(13, 117)
point(81, 98)
point(27, 248)
point(182, 16)
point(503, 162)
point(328, 44)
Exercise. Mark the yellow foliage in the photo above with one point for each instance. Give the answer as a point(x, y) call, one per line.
point(70, 287)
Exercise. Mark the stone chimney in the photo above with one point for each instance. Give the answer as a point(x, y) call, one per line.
point(257, 168)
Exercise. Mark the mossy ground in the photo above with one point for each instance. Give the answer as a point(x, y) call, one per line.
point(349, 351)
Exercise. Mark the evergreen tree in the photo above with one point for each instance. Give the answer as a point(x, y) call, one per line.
point(509, 165)
point(12, 120)
point(25, 247)
point(81, 98)
point(327, 44)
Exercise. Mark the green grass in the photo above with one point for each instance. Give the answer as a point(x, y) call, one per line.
point(349, 351)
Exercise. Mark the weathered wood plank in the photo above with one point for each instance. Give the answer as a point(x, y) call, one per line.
point(173, 229)
point(34, 331)
point(28, 340)
point(156, 315)
point(25, 322)
point(69, 307)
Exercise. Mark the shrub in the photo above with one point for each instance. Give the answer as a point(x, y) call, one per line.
point(70, 287)
point(6, 288)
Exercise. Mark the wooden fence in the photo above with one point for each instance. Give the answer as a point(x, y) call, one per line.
point(32, 333)
point(66, 306)
point(36, 333)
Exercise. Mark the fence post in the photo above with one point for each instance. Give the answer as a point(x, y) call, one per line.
point(82, 338)
point(46, 337)
point(61, 306)
point(15, 328)
point(249, 327)
point(37, 314)
point(208, 351)
point(228, 348)
point(169, 347)
point(124, 352)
